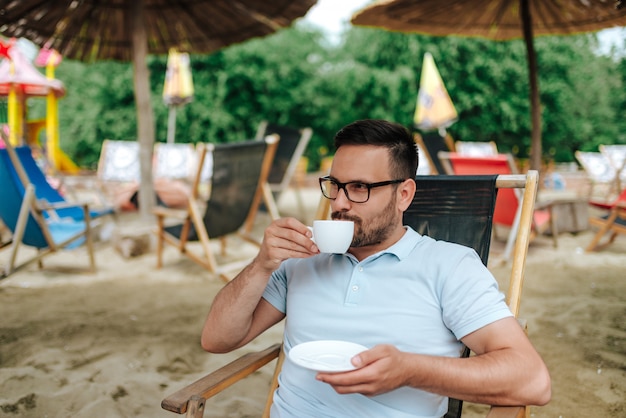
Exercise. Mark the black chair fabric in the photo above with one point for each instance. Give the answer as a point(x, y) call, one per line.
point(236, 172)
point(435, 143)
point(457, 209)
point(289, 140)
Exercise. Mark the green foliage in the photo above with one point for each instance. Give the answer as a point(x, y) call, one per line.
point(294, 78)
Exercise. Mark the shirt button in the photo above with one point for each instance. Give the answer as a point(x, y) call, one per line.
point(360, 268)
point(355, 288)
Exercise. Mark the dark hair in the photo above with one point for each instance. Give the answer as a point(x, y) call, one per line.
point(381, 133)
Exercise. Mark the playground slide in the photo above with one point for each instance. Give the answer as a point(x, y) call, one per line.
point(59, 159)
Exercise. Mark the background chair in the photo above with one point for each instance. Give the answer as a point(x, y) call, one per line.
point(239, 184)
point(613, 222)
point(599, 171)
point(45, 192)
point(616, 155)
point(478, 149)
point(25, 217)
point(440, 206)
point(430, 144)
point(508, 203)
point(293, 142)
point(174, 161)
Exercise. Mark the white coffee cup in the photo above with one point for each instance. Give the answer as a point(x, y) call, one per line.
point(332, 236)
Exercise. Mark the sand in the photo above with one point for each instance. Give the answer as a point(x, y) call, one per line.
point(114, 343)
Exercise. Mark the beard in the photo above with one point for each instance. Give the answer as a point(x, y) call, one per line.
point(373, 231)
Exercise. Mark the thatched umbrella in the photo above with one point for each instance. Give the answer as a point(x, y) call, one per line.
point(498, 20)
point(128, 30)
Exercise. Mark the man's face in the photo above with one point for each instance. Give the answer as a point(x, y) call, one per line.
point(376, 219)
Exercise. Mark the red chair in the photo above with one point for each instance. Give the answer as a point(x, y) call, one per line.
point(614, 221)
point(508, 207)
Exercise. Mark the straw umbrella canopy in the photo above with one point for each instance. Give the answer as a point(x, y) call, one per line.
point(498, 20)
point(128, 30)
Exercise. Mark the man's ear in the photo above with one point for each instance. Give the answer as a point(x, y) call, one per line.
point(406, 191)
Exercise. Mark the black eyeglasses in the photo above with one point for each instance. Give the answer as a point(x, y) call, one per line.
point(356, 191)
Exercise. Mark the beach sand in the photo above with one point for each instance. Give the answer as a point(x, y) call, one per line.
point(114, 343)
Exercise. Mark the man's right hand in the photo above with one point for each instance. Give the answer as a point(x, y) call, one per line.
point(285, 238)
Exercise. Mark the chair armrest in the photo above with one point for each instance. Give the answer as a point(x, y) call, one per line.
point(43, 205)
point(220, 379)
point(507, 412)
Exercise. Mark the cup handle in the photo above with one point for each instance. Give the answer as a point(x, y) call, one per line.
point(311, 229)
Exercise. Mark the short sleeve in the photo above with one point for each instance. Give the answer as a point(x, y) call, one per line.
point(276, 290)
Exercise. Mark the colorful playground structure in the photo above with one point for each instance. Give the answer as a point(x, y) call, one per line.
point(20, 80)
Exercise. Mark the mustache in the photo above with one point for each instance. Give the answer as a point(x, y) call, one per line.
point(343, 216)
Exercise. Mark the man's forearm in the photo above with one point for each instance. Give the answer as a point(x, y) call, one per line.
point(229, 321)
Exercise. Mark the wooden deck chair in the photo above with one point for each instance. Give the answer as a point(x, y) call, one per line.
point(26, 218)
point(478, 149)
point(599, 171)
point(118, 172)
point(612, 223)
point(293, 142)
point(440, 206)
point(430, 144)
point(616, 155)
point(46, 193)
point(174, 161)
point(239, 184)
point(508, 205)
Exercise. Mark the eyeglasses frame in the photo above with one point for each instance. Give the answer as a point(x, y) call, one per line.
point(369, 186)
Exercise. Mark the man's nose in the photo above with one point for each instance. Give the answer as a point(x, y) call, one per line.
point(341, 202)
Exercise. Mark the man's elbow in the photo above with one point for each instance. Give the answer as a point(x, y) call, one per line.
point(214, 346)
point(541, 388)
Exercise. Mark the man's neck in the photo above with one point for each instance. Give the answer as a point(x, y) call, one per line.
point(361, 253)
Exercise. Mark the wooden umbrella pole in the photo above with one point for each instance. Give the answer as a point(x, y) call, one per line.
point(171, 125)
point(535, 106)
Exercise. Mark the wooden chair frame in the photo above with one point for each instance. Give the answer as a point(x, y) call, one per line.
point(193, 215)
point(192, 398)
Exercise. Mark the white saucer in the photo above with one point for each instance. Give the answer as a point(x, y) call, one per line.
point(326, 355)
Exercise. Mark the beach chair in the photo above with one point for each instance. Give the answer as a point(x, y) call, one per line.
point(599, 171)
point(508, 205)
point(430, 144)
point(477, 149)
point(32, 223)
point(238, 186)
point(175, 161)
point(293, 142)
point(613, 222)
point(46, 193)
point(456, 208)
point(616, 155)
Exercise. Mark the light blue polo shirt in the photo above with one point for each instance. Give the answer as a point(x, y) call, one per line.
point(419, 295)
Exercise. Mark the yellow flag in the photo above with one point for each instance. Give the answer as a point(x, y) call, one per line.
point(434, 107)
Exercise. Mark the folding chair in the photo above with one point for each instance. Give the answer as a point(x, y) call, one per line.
point(441, 205)
point(174, 161)
point(508, 205)
point(46, 193)
point(293, 142)
point(28, 222)
point(599, 171)
point(430, 144)
point(616, 155)
point(238, 185)
point(477, 149)
point(613, 222)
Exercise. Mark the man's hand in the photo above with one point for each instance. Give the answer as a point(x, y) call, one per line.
point(285, 238)
point(379, 370)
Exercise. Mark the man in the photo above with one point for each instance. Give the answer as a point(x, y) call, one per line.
point(408, 298)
